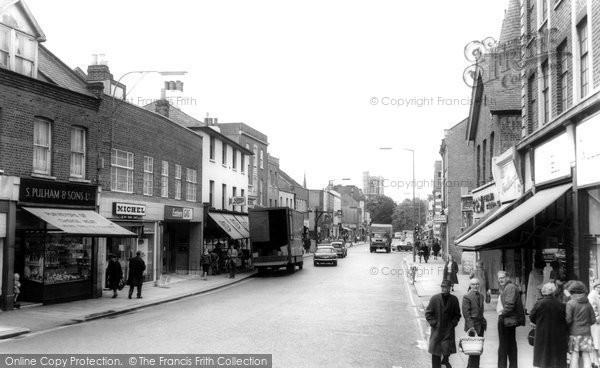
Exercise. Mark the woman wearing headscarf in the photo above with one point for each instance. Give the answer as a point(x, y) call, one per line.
point(551, 330)
point(580, 317)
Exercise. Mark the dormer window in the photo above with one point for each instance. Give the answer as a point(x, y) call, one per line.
point(18, 52)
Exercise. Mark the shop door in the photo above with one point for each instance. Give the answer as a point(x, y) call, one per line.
point(176, 248)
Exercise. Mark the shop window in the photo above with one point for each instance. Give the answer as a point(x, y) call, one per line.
point(191, 181)
point(42, 140)
point(177, 181)
point(148, 176)
point(164, 185)
point(78, 152)
point(121, 178)
point(592, 232)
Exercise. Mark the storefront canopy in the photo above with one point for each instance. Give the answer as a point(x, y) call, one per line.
point(82, 222)
point(512, 219)
point(234, 230)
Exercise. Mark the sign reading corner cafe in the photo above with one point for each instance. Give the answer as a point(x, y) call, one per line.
point(54, 193)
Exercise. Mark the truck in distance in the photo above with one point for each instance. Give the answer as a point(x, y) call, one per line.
point(381, 237)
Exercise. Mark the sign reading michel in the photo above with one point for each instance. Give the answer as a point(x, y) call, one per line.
point(47, 192)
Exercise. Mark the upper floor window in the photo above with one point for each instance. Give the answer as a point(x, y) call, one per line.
point(212, 148)
point(234, 159)
point(211, 193)
point(224, 149)
point(121, 178)
point(243, 165)
point(78, 152)
point(262, 159)
point(582, 33)
point(177, 181)
point(148, 176)
point(164, 191)
point(18, 52)
point(42, 144)
point(532, 113)
point(563, 77)
point(191, 180)
point(545, 92)
point(255, 155)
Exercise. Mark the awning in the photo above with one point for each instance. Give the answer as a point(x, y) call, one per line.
point(514, 218)
point(243, 219)
point(83, 222)
point(220, 220)
point(346, 228)
point(488, 218)
point(239, 227)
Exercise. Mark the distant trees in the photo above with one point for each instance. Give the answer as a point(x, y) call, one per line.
point(381, 209)
point(403, 217)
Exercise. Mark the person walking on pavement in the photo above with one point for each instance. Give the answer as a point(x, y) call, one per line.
point(442, 314)
point(114, 274)
point(435, 248)
point(551, 343)
point(511, 314)
point(232, 257)
point(451, 271)
point(472, 310)
point(137, 266)
point(206, 261)
point(580, 317)
point(425, 249)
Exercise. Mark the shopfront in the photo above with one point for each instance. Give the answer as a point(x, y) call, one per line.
point(225, 228)
point(56, 240)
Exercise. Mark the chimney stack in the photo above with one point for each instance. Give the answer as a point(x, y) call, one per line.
point(162, 107)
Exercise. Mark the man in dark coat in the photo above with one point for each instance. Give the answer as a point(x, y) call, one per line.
point(511, 314)
point(472, 309)
point(442, 314)
point(551, 341)
point(436, 248)
point(114, 274)
point(137, 266)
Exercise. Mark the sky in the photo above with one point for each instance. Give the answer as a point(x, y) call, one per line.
point(329, 82)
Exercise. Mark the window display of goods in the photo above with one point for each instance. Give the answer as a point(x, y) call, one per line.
point(62, 277)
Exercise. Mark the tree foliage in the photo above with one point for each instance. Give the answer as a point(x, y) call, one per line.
point(403, 217)
point(381, 209)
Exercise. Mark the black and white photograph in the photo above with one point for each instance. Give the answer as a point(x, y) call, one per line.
point(282, 184)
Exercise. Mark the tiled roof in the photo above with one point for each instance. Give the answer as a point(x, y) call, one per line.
point(57, 72)
point(178, 116)
point(511, 25)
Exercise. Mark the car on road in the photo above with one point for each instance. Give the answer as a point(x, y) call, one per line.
point(396, 244)
point(405, 245)
point(325, 254)
point(340, 249)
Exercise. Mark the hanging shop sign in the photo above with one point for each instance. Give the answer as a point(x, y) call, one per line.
point(485, 200)
point(552, 160)
point(237, 201)
point(129, 209)
point(47, 192)
point(507, 180)
point(178, 213)
point(588, 152)
point(440, 218)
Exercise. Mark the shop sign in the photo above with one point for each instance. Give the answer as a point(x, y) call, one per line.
point(485, 199)
point(552, 160)
point(46, 192)
point(506, 178)
point(238, 201)
point(467, 204)
point(440, 218)
point(129, 209)
point(588, 152)
point(148, 228)
point(178, 213)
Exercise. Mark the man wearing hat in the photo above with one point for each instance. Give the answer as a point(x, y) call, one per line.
point(442, 314)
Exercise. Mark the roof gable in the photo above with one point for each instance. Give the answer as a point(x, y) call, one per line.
point(17, 15)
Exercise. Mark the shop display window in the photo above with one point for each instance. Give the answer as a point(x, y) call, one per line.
point(52, 259)
point(592, 235)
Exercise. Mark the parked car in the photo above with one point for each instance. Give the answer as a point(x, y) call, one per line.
point(396, 244)
point(405, 245)
point(325, 254)
point(340, 249)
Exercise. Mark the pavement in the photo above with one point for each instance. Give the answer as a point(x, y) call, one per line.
point(427, 283)
point(38, 317)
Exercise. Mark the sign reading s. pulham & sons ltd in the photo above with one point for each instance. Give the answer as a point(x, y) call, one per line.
point(48, 192)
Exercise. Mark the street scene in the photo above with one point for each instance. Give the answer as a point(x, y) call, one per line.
point(286, 184)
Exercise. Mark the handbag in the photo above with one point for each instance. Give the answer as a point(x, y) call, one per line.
point(531, 336)
point(472, 344)
point(121, 284)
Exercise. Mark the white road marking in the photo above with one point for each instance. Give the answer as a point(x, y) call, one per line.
point(422, 343)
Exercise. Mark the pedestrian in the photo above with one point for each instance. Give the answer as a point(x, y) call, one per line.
point(551, 342)
point(205, 260)
point(425, 252)
point(511, 314)
point(114, 274)
point(214, 262)
point(231, 259)
point(137, 266)
point(436, 248)
point(451, 271)
point(484, 285)
point(16, 290)
point(442, 314)
point(580, 318)
point(472, 310)
point(594, 298)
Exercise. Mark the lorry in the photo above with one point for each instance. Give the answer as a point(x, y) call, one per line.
point(276, 236)
point(381, 237)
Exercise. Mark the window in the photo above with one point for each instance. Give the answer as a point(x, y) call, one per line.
point(582, 33)
point(270, 202)
point(17, 51)
point(223, 196)
point(261, 159)
point(234, 159)
point(148, 176)
point(563, 77)
point(545, 93)
point(243, 165)
point(78, 152)
point(211, 193)
point(224, 149)
point(212, 148)
point(478, 165)
point(164, 185)
point(483, 159)
point(177, 181)
point(491, 155)
point(42, 139)
point(191, 181)
point(260, 192)
point(532, 113)
point(234, 194)
point(544, 10)
point(121, 178)
point(243, 194)
point(255, 160)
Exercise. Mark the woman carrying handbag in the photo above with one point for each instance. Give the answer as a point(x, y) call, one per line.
point(114, 275)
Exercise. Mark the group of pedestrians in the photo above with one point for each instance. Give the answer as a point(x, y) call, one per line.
point(427, 248)
point(135, 279)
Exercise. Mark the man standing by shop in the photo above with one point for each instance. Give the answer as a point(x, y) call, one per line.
point(137, 266)
point(511, 314)
point(472, 309)
point(232, 256)
point(442, 314)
